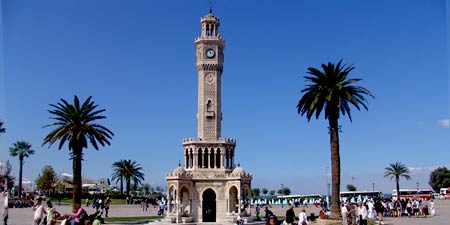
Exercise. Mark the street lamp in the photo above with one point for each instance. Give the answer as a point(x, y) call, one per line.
point(281, 192)
point(326, 178)
point(328, 189)
point(417, 188)
point(373, 186)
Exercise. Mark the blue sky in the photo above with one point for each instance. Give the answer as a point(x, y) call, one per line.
point(137, 60)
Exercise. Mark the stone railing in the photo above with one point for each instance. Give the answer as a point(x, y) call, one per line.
point(220, 140)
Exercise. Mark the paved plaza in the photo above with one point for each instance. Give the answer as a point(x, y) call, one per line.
point(24, 216)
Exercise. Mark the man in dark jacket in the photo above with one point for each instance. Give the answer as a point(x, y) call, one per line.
point(290, 215)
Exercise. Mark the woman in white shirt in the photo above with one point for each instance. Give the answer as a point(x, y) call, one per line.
point(302, 218)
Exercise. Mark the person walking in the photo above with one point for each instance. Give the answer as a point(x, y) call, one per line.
point(5, 207)
point(39, 212)
point(290, 215)
point(362, 214)
point(432, 209)
point(107, 205)
point(51, 220)
point(258, 210)
point(344, 213)
point(379, 209)
point(302, 218)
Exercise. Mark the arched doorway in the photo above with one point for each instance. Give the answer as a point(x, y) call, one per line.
point(185, 202)
point(233, 196)
point(209, 206)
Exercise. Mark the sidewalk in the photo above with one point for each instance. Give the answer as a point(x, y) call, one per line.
point(24, 216)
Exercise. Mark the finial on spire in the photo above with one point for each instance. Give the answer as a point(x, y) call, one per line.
point(210, 6)
point(179, 163)
point(239, 164)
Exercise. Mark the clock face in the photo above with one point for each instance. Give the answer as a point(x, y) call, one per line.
point(210, 77)
point(210, 53)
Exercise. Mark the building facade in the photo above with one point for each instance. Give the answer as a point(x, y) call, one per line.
point(209, 187)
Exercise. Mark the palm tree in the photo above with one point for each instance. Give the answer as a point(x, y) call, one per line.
point(397, 170)
point(75, 124)
point(333, 91)
point(21, 149)
point(2, 129)
point(118, 173)
point(132, 171)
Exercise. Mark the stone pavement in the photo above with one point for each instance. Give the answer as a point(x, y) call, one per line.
point(24, 216)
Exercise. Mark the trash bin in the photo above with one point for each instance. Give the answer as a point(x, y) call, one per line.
point(312, 217)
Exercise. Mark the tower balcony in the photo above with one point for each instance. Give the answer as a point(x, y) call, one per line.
point(188, 141)
point(209, 38)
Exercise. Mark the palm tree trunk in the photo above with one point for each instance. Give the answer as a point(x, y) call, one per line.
point(335, 168)
point(20, 175)
point(128, 185)
point(121, 184)
point(397, 183)
point(77, 179)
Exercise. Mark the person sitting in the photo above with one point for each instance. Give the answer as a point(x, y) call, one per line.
point(239, 219)
point(80, 216)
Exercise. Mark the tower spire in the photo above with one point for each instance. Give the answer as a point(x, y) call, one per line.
point(210, 6)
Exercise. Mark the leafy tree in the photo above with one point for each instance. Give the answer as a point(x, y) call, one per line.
point(286, 191)
point(118, 173)
point(23, 150)
point(351, 187)
point(335, 92)
point(9, 178)
point(47, 179)
point(76, 124)
point(280, 191)
point(396, 171)
point(439, 178)
point(256, 192)
point(265, 191)
point(146, 187)
point(272, 192)
point(159, 189)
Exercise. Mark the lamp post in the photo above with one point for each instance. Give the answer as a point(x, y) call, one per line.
point(281, 192)
point(373, 186)
point(417, 189)
point(328, 189)
point(326, 179)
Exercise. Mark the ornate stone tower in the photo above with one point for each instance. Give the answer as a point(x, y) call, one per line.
point(209, 188)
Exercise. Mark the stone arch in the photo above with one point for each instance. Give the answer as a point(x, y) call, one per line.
point(211, 158)
point(185, 202)
point(233, 199)
point(246, 196)
point(209, 205)
point(200, 158)
point(218, 155)
point(171, 199)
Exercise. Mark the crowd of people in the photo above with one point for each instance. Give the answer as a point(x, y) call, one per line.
point(374, 210)
point(271, 219)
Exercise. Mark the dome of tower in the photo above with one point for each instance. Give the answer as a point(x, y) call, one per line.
point(210, 17)
point(178, 171)
point(238, 171)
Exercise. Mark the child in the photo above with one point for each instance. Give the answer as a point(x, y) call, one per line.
point(51, 220)
point(97, 218)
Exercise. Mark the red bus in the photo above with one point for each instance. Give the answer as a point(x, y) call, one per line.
point(413, 194)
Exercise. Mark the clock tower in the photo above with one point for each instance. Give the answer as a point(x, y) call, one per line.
point(209, 187)
point(209, 51)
